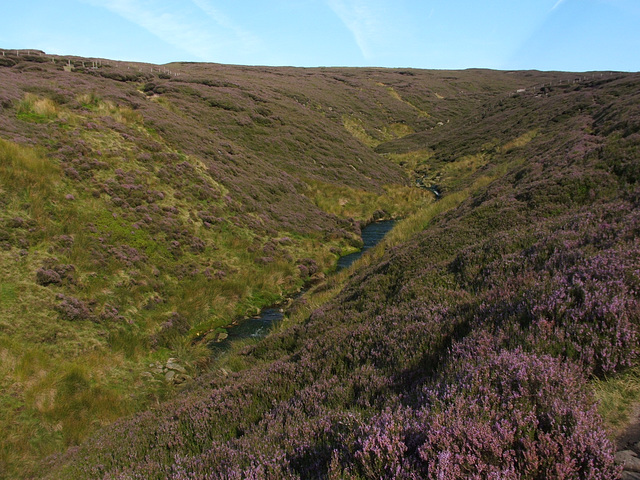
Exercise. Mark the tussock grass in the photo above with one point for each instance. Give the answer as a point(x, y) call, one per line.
point(347, 202)
point(36, 109)
point(397, 130)
point(356, 127)
point(25, 169)
point(359, 130)
point(119, 113)
point(618, 398)
point(411, 160)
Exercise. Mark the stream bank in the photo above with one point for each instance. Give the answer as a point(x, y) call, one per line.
point(259, 325)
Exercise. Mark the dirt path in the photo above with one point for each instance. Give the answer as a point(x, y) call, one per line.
point(628, 447)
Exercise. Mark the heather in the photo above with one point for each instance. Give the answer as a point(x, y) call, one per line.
point(144, 212)
point(139, 219)
point(468, 346)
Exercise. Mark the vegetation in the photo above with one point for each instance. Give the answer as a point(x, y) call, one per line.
point(472, 343)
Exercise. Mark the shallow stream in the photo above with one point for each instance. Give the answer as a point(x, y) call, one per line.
point(259, 326)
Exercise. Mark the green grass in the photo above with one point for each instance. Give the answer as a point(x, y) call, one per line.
point(64, 379)
point(347, 202)
point(25, 170)
point(618, 399)
point(7, 294)
point(39, 110)
point(61, 379)
point(395, 95)
point(356, 127)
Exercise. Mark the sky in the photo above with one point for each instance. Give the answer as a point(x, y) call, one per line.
point(569, 35)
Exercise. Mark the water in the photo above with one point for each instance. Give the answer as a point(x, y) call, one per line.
point(372, 234)
point(255, 327)
point(259, 326)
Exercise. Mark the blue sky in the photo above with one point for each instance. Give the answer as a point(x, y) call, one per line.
point(574, 35)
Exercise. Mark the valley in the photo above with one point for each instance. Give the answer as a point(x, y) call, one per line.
point(146, 208)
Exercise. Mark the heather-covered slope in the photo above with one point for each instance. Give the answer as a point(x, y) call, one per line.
point(464, 349)
point(144, 208)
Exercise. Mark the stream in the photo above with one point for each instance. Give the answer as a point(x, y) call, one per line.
point(259, 326)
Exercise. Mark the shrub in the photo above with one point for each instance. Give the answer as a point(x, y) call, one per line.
point(509, 414)
point(73, 309)
point(47, 276)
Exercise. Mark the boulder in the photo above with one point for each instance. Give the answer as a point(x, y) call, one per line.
point(175, 367)
point(629, 459)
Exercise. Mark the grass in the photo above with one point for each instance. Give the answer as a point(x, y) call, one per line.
point(109, 157)
point(356, 127)
point(618, 398)
point(64, 379)
point(36, 109)
point(395, 95)
point(359, 204)
point(519, 142)
point(26, 170)
point(100, 106)
point(411, 160)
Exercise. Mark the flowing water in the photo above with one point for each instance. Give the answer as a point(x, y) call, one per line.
point(372, 234)
point(259, 326)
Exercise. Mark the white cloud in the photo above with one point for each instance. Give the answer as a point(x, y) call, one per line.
point(183, 27)
point(363, 20)
point(558, 3)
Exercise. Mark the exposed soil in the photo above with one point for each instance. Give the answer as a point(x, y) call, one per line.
point(629, 441)
point(631, 434)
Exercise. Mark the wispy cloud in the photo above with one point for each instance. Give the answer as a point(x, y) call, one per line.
point(182, 27)
point(363, 21)
point(248, 40)
point(558, 3)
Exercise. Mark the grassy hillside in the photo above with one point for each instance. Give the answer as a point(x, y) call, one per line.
point(145, 208)
point(142, 214)
point(469, 346)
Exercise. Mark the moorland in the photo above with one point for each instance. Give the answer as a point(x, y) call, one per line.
point(146, 208)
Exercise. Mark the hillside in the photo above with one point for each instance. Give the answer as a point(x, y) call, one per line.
point(145, 208)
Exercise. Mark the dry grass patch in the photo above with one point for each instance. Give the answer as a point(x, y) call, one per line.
point(355, 127)
point(519, 142)
point(410, 161)
point(37, 109)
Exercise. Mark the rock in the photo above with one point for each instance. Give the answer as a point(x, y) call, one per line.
point(176, 367)
point(222, 336)
point(629, 459)
point(147, 375)
point(169, 376)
